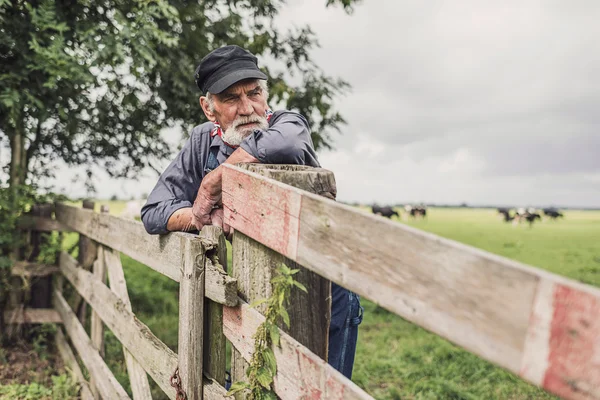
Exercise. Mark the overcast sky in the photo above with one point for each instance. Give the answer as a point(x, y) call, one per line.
point(494, 102)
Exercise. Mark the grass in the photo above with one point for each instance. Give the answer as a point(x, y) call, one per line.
point(396, 359)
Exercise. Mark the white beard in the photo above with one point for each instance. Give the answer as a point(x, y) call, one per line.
point(234, 135)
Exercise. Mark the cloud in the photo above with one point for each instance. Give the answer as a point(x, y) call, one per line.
point(464, 101)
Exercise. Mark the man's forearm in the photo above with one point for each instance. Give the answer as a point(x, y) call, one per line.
point(181, 220)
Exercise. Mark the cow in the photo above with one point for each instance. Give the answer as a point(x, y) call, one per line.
point(387, 212)
point(552, 213)
point(529, 215)
point(505, 212)
point(416, 211)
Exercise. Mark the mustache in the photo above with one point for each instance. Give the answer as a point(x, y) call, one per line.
point(247, 120)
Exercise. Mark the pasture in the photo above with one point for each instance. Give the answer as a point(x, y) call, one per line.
point(396, 359)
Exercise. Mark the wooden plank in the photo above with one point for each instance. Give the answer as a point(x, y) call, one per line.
point(107, 384)
point(484, 303)
point(301, 374)
point(215, 361)
point(72, 365)
point(41, 287)
point(162, 253)
point(32, 316)
point(138, 379)
point(253, 267)
point(156, 358)
point(97, 327)
point(310, 311)
point(28, 269)
point(191, 317)
point(213, 390)
point(86, 256)
point(41, 224)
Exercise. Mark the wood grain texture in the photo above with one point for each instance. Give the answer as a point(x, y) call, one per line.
point(85, 257)
point(162, 253)
point(140, 387)
point(301, 374)
point(191, 318)
point(72, 365)
point(156, 358)
point(253, 268)
point(32, 316)
point(41, 224)
point(215, 362)
point(446, 287)
point(106, 383)
point(40, 291)
point(527, 320)
point(310, 311)
point(97, 328)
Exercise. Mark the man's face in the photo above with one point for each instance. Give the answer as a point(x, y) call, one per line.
point(240, 110)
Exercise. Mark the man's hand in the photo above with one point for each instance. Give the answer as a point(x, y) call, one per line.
point(209, 194)
point(207, 199)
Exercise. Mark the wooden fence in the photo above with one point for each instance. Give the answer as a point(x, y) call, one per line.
point(542, 327)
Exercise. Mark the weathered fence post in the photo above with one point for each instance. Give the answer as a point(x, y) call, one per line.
point(254, 265)
point(111, 260)
point(41, 287)
point(97, 327)
point(214, 339)
point(191, 317)
point(85, 258)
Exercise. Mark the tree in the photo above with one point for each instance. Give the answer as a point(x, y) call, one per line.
point(93, 82)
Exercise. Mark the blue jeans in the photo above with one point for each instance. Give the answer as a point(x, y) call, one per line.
point(346, 315)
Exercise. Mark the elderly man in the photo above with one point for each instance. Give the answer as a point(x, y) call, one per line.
point(241, 128)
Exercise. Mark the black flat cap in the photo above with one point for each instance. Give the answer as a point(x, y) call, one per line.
point(225, 66)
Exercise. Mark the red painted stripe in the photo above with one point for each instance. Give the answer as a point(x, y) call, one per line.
point(262, 209)
point(574, 357)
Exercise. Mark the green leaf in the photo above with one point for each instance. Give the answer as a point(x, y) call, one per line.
point(258, 302)
point(284, 269)
point(237, 387)
point(274, 333)
point(264, 377)
point(270, 361)
point(281, 298)
point(300, 286)
point(285, 316)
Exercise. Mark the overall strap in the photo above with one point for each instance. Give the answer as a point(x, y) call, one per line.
point(212, 162)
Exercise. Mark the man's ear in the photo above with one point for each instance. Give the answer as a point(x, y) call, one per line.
point(204, 105)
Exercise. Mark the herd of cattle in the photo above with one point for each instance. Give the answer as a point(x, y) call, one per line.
point(412, 211)
point(529, 215)
point(517, 216)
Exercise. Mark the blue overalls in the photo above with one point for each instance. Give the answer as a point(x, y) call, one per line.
point(346, 313)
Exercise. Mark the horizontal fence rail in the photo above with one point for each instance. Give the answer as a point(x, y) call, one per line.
point(161, 253)
point(538, 325)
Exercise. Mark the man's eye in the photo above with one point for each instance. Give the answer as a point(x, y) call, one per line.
point(254, 94)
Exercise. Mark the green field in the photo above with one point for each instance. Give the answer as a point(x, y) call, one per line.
point(396, 359)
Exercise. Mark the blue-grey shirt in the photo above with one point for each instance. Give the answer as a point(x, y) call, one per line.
point(286, 141)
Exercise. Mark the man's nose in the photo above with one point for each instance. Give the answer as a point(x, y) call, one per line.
point(245, 106)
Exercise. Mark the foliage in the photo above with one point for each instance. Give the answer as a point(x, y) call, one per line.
point(263, 367)
point(94, 82)
point(63, 388)
point(14, 203)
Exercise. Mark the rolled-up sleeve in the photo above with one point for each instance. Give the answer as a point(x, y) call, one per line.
point(176, 188)
point(286, 141)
